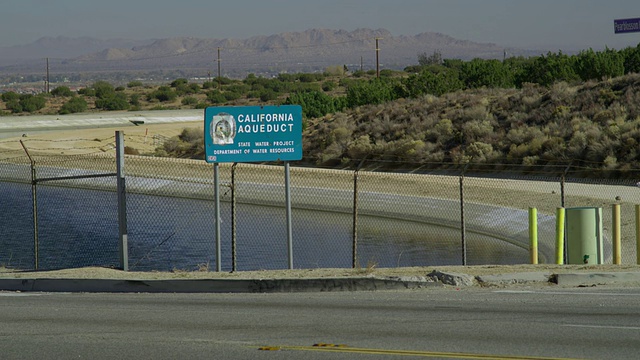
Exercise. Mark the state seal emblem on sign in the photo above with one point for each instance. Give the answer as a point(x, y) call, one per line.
point(223, 129)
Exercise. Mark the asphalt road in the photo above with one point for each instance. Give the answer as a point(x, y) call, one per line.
point(440, 323)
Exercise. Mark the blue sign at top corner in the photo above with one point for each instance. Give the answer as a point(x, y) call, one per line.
point(253, 133)
point(621, 26)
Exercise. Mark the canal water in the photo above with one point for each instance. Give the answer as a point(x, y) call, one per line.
point(78, 227)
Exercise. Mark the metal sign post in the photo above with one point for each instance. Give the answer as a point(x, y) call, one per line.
point(216, 195)
point(235, 134)
point(287, 191)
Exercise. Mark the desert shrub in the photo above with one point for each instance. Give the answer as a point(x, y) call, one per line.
point(335, 70)
point(610, 162)
point(134, 99)
point(62, 91)
point(216, 97)
point(163, 94)
point(195, 88)
point(360, 148)
point(372, 92)
point(231, 95)
point(135, 83)
point(9, 96)
point(14, 106)
point(191, 135)
point(315, 104)
point(74, 105)
point(87, 91)
point(189, 100)
point(481, 152)
point(178, 82)
point(386, 73)
point(114, 102)
point(427, 82)
point(222, 80)
point(32, 103)
point(268, 95)
point(103, 89)
point(328, 85)
point(239, 88)
point(476, 130)
point(131, 151)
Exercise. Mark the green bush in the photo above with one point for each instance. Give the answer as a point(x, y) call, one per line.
point(134, 99)
point(62, 91)
point(14, 106)
point(32, 103)
point(328, 85)
point(315, 104)
point(135, 83)
point(74, 105)
point(114, 102)
point(163, 94)
point(373, 92)
point(103, 89)
point(216, 97)
point(9, 96)
point(178, 82)
point(268, 95)
point(87, 92)
point(189, 100)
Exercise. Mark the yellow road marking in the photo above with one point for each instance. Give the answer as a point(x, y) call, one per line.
point(346, 349)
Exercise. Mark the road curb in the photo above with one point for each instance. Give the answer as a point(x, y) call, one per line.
point(214, 285)
point(594, 279)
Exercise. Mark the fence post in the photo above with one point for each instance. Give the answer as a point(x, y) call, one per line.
point(233, 217)
point(462, 222)
point(122, 202)
point(562, 181)
point(354, 261)
point(34, 201)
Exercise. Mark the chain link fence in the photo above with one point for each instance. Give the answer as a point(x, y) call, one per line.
point(341, 218)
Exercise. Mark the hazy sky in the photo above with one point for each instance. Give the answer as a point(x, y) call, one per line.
point(560, 24)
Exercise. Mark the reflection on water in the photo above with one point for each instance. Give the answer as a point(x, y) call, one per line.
point(79, 228)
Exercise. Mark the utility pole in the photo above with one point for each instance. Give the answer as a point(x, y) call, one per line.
point(377, 59)
point(219, 78)
point(46, 83)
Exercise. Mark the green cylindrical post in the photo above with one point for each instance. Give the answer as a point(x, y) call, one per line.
point(533, 234)
point(560, 236)
point(584, 235)
point(617, 244)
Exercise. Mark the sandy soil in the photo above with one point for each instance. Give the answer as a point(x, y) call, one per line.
point(105, 273)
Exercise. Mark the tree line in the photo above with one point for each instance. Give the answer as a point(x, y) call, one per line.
point(337, 89)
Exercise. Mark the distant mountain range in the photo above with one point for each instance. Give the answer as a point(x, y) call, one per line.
point(307, 51)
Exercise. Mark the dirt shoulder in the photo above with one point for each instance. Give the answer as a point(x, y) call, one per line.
point(106, 273)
